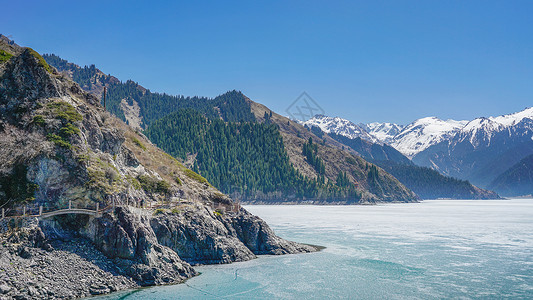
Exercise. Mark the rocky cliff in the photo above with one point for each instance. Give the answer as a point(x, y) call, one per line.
point(58, 145)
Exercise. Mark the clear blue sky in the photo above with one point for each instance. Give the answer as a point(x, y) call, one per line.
point(363, 60)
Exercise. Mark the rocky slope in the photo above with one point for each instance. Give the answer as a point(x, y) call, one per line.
point(383, 132)
point(57, 146)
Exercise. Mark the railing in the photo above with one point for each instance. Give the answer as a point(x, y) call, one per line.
point(39, 211)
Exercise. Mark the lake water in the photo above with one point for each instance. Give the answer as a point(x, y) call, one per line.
point(434, 249)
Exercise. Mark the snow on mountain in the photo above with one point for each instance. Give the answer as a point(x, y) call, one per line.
point(513, 119)
point(483, 149)
point(384, 132)
point(481, 130)
point(339, 126)
point(424, 133)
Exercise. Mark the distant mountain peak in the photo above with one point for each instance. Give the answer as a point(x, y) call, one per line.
point(340, 126)
point(383, 132)
point(423, 133)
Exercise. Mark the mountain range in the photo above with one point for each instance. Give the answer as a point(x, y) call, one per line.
point(479, 150)
point(235, 158)
point(317, 176)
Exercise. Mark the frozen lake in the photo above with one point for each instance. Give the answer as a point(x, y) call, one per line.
point(431, 250)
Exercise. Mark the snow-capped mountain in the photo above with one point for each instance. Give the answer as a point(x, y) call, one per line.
point(480, 131)
point(383, 132)
point(340, 126)
point(423, 133)
point(483, 148)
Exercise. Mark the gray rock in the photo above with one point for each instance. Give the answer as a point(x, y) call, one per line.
point(4, 288)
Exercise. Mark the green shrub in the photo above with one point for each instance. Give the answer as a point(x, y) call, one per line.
point(41, 60)
point(68, 130)
point(39, 120)
point(138, 143)
point(177, 180)
point(65, 111)
point(175, 211)
point(351, 160)
point(82, 158)
point(193, 175)
point(217, 213)
point(162, 187)
point(59, 141)
point(4, 56)
point(153, 185)
point(159, 211)
point(134, 182)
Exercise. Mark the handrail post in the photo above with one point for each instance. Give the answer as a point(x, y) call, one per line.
point(3, 213)
point(97, 207)
point(69, 204)
point(24, 211)
point(40, 210)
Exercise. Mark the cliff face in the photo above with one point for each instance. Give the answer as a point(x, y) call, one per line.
point(59, 146)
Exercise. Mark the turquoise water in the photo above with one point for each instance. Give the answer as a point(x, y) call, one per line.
point(431, 250)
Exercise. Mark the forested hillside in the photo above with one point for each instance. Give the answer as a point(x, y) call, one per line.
point(517, 180)
point(430, 184)
point(247, 160)
point(241, 146)
point(231, 106)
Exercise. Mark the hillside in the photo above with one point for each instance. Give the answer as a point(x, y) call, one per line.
point(139, 107)
point(517, 180)
point(228, 172)
point(60, 148)
point(430, 184)
point(340, 163)
point(425, 182)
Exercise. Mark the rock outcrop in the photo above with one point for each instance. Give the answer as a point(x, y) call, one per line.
point(58, 146)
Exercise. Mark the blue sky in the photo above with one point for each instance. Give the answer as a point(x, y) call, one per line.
point(362, 60)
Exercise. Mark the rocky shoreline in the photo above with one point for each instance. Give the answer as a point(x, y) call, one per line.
point(124, 249)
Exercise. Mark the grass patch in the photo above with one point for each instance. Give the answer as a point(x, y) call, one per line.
point(5, 56)
point(139, 144)
point(41, 60)
point(177, 180)
point(193, 175)
point(58, 141)
point(175, 211)
point(39, 120)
